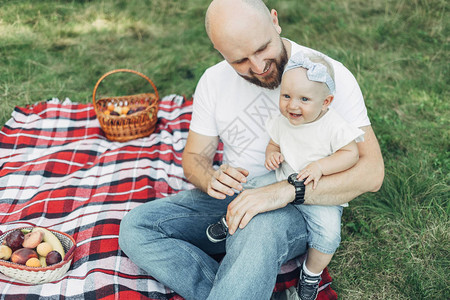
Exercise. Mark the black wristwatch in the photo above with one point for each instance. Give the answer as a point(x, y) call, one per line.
point(299, 188)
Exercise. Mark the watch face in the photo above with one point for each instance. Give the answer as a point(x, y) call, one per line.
point(292, 178)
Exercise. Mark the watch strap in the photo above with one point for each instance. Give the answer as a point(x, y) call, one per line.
point(299, 189)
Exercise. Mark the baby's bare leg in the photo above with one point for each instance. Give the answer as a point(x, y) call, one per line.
point(317, 261)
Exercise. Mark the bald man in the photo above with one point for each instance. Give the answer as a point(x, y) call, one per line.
point(232, 102)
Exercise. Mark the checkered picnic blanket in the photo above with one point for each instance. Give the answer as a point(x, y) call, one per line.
point(57, 170)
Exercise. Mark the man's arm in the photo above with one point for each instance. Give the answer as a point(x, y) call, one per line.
point(366, 176)
point(197, 163)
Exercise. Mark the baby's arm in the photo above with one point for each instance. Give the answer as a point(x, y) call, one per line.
point(273, 156)
point(341, 160)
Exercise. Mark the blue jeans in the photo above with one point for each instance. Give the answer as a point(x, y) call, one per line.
point(260, 181)
point(323, 222)
point(324, 226)
point(166, 238)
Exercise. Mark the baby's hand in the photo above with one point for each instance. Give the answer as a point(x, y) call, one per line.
point(273, 160)
point(311, 172)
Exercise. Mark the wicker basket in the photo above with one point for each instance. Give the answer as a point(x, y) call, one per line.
point(127, 127)
point(40, 275)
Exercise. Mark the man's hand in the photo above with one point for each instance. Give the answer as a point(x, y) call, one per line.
point(197, 164)
point(311, 172)
point(273, 160)
point(254, 201)
point(224, 180)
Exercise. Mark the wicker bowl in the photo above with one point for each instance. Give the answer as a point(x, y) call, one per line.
point(40, 275)
point(127, 127)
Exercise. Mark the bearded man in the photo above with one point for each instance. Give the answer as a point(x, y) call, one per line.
point(232, 102)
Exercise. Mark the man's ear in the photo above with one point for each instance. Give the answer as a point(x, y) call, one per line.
point(327, 101)
point(274, 15)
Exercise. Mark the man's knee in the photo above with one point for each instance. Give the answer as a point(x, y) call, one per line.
point(262, 226)
point(125, 232)
point(266, 230)
point(134, 224)
point(270, 238)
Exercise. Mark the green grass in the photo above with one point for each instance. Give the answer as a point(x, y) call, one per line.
point(395, 242)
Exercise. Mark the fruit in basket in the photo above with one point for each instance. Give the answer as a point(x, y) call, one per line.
point(44, 248)
point(20, 256)
point(33, 239)
point(50, 238)
point(42, 261)
point(114, 113)
point(110, 107)
point(5, 252)
point(118, 110)
point(15, 239)
point(33, 262)
point(53, 257)
point(125, 110)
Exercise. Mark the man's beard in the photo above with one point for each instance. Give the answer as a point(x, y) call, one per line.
point(274, 79)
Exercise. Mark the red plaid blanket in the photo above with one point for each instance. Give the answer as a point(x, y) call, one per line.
point(57, 170)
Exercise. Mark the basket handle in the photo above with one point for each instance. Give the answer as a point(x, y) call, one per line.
point(71, 250)
point(117, 71)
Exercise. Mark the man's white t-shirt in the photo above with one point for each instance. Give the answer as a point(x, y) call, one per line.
point(306, 143)
point(235, 110)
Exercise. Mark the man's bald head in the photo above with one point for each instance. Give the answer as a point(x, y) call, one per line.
point(223, 13)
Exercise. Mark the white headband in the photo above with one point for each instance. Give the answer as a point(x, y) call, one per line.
point(316, 71)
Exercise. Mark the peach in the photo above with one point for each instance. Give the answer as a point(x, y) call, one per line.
point(21, 255)
point(5, 252)
point(33, 239)
point(33, 262)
